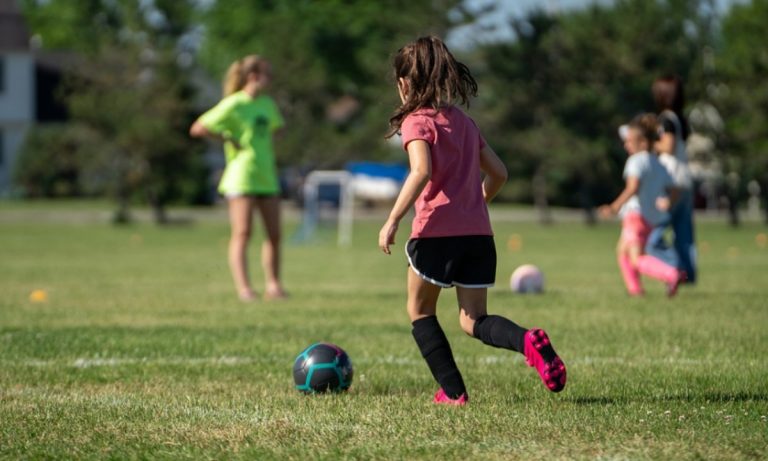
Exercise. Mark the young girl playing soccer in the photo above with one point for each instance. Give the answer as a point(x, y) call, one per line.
point(451, 241)
point(643, 205)
point(246, 120)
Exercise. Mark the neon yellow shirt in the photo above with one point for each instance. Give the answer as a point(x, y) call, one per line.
point(251, 122)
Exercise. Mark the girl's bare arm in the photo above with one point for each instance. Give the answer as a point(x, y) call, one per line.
point(198, 130)
point(630, 189)
point(495, 173)
point(421, 172)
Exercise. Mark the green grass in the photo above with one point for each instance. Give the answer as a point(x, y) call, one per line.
point(142, 350)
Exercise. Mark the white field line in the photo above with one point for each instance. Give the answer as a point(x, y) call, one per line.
point(96, 362)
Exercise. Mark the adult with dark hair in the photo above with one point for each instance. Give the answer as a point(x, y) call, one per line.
point(669, 97)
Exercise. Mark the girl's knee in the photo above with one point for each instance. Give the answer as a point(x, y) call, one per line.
point(240, 234)
point(417, 310)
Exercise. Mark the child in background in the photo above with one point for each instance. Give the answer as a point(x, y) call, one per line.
point(643, 204)
point(246, 121)
point(451, 240)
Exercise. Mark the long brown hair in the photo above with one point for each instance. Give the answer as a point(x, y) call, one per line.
point(435, 78)
point(238, 71)
point(669, 94)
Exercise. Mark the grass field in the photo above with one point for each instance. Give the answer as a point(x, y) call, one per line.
point(142, 351)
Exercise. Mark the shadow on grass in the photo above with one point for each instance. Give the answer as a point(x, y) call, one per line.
point(704, 397)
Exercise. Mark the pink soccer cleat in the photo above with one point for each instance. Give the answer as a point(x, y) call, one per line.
point(442, 398)
point(539, 353)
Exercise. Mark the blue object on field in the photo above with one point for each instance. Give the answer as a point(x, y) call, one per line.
point(330, 194)
point(379, 170)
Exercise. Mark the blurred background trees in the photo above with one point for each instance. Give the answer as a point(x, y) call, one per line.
point(130, 98)
point(551, 96)
point(741, 94)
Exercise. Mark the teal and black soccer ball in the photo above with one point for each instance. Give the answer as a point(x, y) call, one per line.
point(323, 367)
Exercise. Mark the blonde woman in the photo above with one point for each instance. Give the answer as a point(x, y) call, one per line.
point(246, 120)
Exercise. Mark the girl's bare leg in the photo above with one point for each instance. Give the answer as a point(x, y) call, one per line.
point(422, 297)
point(240, 219)
point(473, 304)
point(494, 330)
point(269, 207)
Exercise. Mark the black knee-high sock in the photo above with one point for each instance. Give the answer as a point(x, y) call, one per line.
point(436, 351)
point(498, 331)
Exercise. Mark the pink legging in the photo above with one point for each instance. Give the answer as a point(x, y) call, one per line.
point(635, 231)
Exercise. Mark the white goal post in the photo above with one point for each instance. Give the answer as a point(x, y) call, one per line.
point(311, 192)
point(369, 181)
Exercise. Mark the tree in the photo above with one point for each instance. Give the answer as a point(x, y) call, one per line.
point(50, 162)
point(741, 95)
point(131, 92)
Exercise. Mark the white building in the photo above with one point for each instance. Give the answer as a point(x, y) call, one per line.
point(17, 89)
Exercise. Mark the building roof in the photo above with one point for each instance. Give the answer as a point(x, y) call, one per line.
point(14, 35)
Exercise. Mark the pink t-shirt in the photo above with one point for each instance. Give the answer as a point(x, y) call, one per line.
point(452, 202)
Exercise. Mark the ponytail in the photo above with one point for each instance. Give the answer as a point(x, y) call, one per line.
point(434, 76)
point(648, 126)
point(238, 71)
point(233, 81)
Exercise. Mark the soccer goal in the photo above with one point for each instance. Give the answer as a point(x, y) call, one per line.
point(369, 181)
point(311, 192)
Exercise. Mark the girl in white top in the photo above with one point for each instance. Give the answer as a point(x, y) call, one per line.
point(643, 205)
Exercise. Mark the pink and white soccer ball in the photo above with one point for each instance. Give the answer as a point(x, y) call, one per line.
point(527, 279)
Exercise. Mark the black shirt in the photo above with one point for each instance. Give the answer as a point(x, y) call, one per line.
point(668, 124)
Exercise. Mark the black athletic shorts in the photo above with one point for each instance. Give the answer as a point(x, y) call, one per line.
point(466, 261)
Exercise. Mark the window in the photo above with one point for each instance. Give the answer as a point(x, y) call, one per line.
point(2, 149)
point(2, 74)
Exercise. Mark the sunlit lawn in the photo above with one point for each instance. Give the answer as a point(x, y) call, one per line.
point(136, 347)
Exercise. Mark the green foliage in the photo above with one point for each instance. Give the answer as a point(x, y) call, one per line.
point(50, 162)
point(742, 28)
point(142, 113)
point(142, 350)
point(741, 94)
point(130, 91)
point(62, 25)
